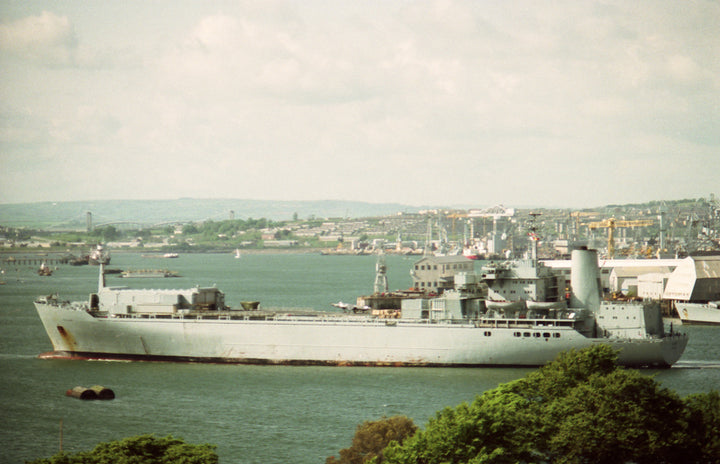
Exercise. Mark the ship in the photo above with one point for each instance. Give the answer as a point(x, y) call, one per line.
point(99, 256)
point(452, 329)
point(699, 313)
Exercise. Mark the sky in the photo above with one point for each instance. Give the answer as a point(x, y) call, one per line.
point(566, 104)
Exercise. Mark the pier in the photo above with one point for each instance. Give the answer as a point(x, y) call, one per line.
point(37, 259)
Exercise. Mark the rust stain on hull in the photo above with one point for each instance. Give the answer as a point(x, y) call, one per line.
point(67, 337)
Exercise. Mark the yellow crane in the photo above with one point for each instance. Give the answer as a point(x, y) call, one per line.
point(612, 223)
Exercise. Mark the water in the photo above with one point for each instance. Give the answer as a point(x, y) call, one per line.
point(254, 414)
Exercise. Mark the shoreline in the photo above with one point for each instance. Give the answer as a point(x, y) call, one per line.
point(56, 252)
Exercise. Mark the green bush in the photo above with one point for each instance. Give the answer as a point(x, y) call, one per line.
point(371, 437)
point(142, 449)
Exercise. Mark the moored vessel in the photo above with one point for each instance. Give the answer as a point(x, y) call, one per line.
point(99, 255)
point(699, 313)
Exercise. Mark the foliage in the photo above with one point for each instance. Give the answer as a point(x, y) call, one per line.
point(108, 233)
point(704, 426)
point(581, 408)
point(142, 449)
point(371, 437)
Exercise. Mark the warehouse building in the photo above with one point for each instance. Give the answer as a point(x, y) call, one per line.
point(696, 278)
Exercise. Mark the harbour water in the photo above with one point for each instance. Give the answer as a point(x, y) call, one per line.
point(254, 414)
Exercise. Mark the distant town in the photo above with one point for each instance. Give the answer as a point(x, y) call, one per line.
point(668, 229)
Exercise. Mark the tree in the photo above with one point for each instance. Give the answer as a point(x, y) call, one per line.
point(190, 229)
point(371, 437)
point(581, 408)
point(141, 449)
point(704, 426)
point(621, 417)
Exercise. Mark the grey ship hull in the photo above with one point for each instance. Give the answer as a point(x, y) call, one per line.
point(332, 340)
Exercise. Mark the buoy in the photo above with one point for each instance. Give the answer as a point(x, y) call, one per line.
point(95, 392)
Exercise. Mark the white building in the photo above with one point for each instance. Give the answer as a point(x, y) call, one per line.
point(696, 278)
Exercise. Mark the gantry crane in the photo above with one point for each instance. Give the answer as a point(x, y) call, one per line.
point(612, 223)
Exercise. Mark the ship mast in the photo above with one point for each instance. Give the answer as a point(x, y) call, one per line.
point(381, 282)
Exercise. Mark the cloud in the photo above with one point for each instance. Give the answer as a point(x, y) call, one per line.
point(439, 101)
point(47, 38)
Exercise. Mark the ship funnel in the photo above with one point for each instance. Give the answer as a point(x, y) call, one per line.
point(585, 280)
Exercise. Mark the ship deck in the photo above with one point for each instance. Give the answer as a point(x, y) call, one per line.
point(311, 316)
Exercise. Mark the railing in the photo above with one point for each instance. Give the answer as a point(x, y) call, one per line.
point(330, 318)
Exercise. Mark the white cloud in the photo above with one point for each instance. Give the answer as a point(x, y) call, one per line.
point(45, 38)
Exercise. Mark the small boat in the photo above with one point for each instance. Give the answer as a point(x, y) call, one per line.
point(148, 273)
point(44, 270)
point(545, 305)
point(505, 305)
point(237, 253)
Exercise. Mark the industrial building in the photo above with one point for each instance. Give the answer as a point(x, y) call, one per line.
point(437, 273)
point(626, 280)
point(696, 279)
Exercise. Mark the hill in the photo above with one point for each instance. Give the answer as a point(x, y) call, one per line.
point(72, 214)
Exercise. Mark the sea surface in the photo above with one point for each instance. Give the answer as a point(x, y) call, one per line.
point(254, 414)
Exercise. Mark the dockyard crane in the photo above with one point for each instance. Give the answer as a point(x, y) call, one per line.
point(612, 223)
point(575, 218)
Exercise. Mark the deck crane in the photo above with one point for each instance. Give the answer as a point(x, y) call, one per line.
point(611, 223)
